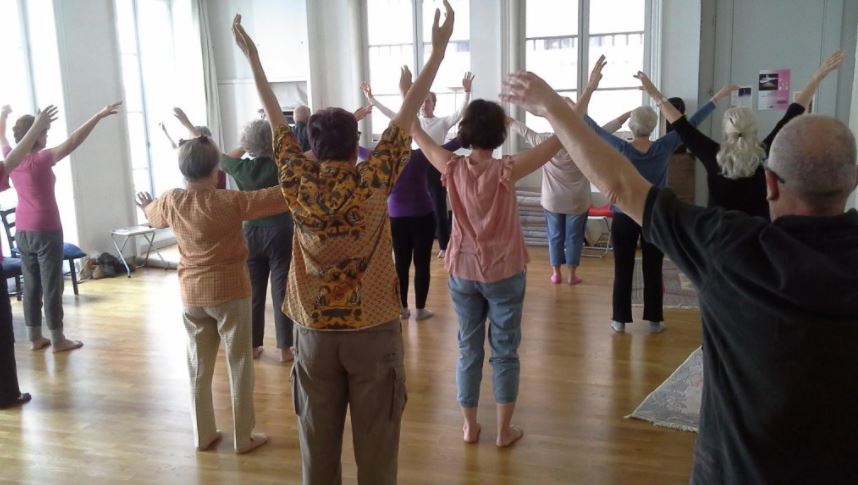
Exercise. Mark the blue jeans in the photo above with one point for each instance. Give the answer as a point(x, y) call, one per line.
point(502, 303)
point(565, 237)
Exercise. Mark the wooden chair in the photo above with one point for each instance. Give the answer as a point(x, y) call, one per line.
point(70, 251)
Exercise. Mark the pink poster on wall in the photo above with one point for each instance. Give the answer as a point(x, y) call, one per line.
point(773, 90)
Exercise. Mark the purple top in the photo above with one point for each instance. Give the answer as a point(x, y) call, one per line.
point(410, 194)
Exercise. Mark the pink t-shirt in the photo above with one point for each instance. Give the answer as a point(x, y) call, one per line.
point(34, 182)
point(486, 244)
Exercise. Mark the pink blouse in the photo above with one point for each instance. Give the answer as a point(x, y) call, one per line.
point(486, 244)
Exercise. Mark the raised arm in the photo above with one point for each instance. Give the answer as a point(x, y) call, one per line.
point(467, 84)
point(530, 136)
point(615, 124)
point(367, 92)
point(526, 162)
point(79, 135)
point(4, 117)
point(441, 34)
point(167, 134)
point(437, 155)
point(592, 86)
point(805, 96)
point(611, 172)
point(43, 121)
point(180, 115)
point(263, 89)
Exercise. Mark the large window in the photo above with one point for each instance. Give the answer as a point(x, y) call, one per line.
point(392, 35)
point(560, 33)
point(153, 77)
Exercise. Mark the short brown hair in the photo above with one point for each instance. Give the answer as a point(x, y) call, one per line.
point(333, 134)
point(22, 126)
point(483, 125)
point(198, 158)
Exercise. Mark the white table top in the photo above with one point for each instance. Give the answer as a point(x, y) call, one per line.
point(132, 231)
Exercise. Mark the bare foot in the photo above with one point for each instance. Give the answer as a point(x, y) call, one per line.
point(256, 440)
point(66, 345)
point(472, 435)
point(39, 344)
point(257, 352)
point(513, 434)
point(211, 444)
point(286, 355)
point(575, 280)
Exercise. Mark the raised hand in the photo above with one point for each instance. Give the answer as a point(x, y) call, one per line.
point(144, 199)
point(529, 91)
point(45, 117)
point(405, 80)
point(596, 73)
point(244, 42)
point(647, 85)
point(363, 112)
point(366, 90)
point(110, 110)
point(468, 81)
point(830, 64)
point(5, 110)
point(441, 33)
point(725, 91)
point(180, 115)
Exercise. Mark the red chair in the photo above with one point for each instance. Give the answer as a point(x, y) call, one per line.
point(603, 214)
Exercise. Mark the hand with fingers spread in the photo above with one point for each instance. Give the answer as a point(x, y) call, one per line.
point(363, 112)
point(531, 92)
point(366, 89)
point(441, 33)
point(830, 64)
point(45, 117)
point(405, 80)
point(596, 73)
point(468, 81)
point(144, 199)
point(805, 96)
point(647, 86)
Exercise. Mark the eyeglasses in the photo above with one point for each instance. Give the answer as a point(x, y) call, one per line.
point(768, 169)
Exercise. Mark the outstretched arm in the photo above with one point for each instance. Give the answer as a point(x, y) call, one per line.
point(367, 92)
point(4, 116)
point(263, 89)
point(612, 173)
point(437, 155)
point(805, 96)
point(180, 115)
point(79, 135)
point(615, 124)
point(43, 121)
point(467, 84)
point(592, 85)
point(167, 134)
point(526, 162)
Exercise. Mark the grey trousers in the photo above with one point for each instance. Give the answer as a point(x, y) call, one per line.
point(42, 269)
point(360, 370)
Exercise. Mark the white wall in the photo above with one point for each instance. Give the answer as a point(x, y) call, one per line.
point(89, 63)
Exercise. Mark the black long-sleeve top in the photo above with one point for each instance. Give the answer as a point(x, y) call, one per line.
point(746, 194)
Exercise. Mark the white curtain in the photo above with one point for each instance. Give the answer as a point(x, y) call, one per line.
point(201, 19)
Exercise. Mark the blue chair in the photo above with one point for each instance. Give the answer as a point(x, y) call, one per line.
point(70, 251)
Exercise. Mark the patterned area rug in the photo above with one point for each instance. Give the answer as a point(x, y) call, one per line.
point(678, 290)
point(676, 402)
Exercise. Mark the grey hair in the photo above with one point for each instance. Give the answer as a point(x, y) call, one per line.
point(256, 139)
point(741, 151)
point(198, 158)
point(204, 130)
point(643, 121)
point(301, 113)
point(816, 155)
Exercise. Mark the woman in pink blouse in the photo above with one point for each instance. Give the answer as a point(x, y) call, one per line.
point(486, 257)
point(39, 232)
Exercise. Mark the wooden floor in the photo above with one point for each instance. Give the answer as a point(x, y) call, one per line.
point(118, 410)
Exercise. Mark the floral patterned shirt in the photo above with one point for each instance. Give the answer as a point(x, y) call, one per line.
point(342, 275)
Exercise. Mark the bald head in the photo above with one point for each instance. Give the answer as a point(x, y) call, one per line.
point(816, 157)
point(301, 114)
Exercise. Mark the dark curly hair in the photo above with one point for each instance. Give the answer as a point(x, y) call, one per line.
point(333, 134)
point(483, 125)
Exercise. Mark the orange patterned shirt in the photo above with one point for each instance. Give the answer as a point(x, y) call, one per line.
point(207, 225)
point(342, 275)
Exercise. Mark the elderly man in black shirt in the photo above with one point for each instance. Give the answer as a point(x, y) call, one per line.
point(779, 300)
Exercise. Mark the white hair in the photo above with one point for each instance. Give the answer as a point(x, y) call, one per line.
point(642, 121)
point(741, 151)
point(256, 139)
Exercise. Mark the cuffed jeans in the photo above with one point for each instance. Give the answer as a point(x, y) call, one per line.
point(42, 269)
point(565, 237)
point(502, 303)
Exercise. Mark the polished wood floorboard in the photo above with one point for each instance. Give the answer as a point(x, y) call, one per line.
point(117, 411)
